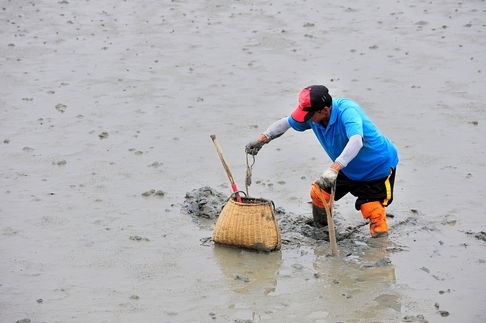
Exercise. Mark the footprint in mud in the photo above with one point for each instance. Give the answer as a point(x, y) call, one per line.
point(137, 152)
point(61, 107)
point(153, 192)
point(138, 238)
point(23, 321)
point(103, 135)
point(419, 318)
point(241, 278)
point(443, 313)
point(60, 163)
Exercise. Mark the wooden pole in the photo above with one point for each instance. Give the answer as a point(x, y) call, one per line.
point(330, 220)
point(234, 189)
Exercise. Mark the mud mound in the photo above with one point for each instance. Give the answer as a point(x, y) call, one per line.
point(478, 235)
point(206, 203)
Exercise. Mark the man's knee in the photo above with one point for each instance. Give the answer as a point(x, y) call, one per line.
point(316, 194)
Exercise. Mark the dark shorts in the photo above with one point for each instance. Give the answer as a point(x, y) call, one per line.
point(377, 190)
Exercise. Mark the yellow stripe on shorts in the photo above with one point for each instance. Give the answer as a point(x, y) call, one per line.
point(388, 191)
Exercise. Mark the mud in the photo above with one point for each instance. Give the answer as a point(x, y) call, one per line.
point(106, 112)
point(205, 204)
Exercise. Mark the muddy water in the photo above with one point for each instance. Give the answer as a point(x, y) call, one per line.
point(106, 110)
point(362, 273)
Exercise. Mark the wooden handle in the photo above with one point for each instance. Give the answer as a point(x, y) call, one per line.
point(226, 168)
point(330, 220)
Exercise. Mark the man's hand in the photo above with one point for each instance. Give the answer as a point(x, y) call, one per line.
point(328, 178)
point(254, 146)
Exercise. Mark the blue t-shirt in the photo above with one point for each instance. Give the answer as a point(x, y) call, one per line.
point(374, 159)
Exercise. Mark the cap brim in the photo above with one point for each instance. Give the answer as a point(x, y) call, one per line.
point(300, 115)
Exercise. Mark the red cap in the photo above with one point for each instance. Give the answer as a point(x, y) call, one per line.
point(311, 99)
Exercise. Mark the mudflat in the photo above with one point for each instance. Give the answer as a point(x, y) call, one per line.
point(106, 112)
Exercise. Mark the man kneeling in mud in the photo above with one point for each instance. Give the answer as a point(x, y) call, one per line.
point(364, 160)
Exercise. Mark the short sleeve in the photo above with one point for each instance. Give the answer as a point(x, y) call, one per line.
point(353, 122)
point(298, 126)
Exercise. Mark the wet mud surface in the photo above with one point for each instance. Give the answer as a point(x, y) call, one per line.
point(205, 204)
point(367, 255)
point(110, 185)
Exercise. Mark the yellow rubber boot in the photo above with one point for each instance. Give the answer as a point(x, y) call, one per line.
point(375, 213)
point(318, 211)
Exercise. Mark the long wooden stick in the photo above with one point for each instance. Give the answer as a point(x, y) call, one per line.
point(226, 168)
point(330, 220)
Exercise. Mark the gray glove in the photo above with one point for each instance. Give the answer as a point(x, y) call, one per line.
point(328, 178)
point(254, 146)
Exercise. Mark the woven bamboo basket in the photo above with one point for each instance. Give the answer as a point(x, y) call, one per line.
point(250, 224)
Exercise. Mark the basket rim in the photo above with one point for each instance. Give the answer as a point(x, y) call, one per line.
point(249, 198)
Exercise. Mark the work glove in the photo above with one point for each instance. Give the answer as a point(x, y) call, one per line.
point(254, 146)
point(329, 176)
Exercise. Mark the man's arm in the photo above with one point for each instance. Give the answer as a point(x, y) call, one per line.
point(350, 151)
point(277, 129)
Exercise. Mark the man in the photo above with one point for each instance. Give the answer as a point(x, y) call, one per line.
point(364, 161)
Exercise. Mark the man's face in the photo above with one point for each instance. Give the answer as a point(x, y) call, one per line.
point(321, 116)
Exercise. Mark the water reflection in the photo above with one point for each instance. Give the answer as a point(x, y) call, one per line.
point(249, 271)
point(376, 263)
point(360, 282)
